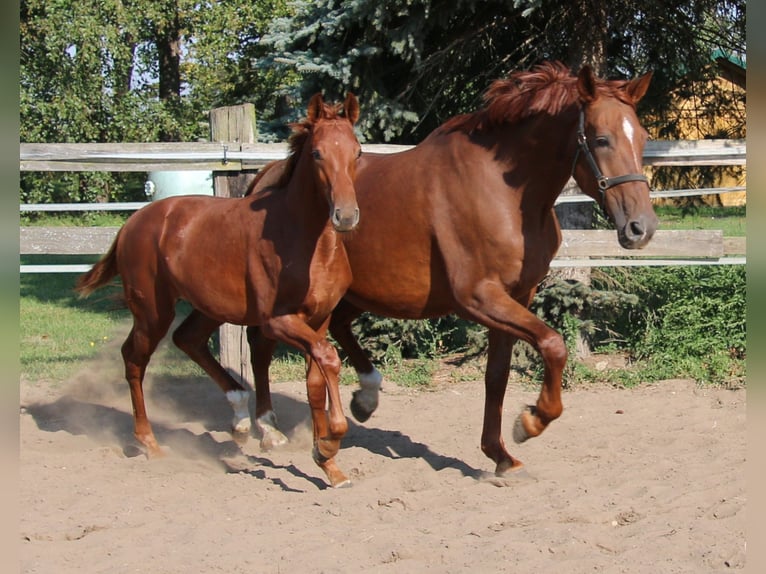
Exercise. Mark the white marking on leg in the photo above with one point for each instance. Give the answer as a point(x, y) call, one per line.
point(627, 127)
point(239, 401)
point(369, 383)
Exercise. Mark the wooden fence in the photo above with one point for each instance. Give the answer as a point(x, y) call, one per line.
point(227, 160)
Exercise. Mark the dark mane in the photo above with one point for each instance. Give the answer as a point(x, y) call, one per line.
point(547, 88)
point(301, 133)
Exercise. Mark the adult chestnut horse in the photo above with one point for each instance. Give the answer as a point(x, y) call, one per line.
point(273, 259)
point(464, 223)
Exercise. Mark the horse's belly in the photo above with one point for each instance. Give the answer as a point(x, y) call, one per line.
point(400, 296)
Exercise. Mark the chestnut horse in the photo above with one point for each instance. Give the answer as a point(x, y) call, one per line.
point(273, 259)
point(464, 223)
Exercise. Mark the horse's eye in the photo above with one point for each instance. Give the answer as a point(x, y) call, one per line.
point(316, 154)
point(602, 141)
point(359, 154)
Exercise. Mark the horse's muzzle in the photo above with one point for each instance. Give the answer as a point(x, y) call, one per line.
point(637, 232)
point(345, 219)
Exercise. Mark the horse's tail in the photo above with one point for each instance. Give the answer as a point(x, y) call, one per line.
point(100, 274)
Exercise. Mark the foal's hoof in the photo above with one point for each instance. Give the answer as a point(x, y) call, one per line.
point(240, 437)
point(359, 409)
point(272, 440)
point(345, 483)
point(271, 436)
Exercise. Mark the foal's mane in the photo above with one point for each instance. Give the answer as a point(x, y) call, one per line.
point(301, 133)
point(548, 88)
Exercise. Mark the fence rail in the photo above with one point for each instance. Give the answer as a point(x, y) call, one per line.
point(579, 248)
point(235, 156)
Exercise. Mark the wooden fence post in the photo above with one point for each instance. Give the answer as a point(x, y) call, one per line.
point(575, 216)
point(234, 126)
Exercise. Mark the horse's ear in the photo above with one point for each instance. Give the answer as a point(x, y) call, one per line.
point(316, 105)
point(351, 108)
point(637, 88)
point(586, 84)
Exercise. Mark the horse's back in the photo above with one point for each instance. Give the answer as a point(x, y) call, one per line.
point(186, 244)
point(178, 222)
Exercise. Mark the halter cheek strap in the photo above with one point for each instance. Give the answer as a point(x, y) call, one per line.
point(604, 182)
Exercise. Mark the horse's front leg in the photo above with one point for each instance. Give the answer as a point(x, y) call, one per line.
point(329, 426)
point(490, 305)
point(323, 373)
point(365, 399)
point(261, 352)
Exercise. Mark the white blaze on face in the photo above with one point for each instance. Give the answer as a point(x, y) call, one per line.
point(627, 127)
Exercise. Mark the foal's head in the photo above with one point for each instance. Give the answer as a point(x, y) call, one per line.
point(609, 157)
point(326, 140)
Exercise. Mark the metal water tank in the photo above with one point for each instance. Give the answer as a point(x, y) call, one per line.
point(161, 184)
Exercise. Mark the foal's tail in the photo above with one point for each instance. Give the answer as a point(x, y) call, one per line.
point(100, 274)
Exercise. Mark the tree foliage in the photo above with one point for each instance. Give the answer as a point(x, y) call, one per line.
point(414, 63)
point(133, 71)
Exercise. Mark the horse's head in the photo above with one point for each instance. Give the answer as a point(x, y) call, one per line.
point(334, 153)
point(610, 146)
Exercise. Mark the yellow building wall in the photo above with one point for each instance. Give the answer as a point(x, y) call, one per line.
point(697, 121)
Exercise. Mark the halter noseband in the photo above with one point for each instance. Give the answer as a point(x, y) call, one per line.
point(604, 182)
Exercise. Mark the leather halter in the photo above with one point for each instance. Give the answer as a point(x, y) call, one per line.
point(604, 182)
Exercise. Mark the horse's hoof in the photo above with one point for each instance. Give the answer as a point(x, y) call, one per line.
point(509, 467)
point(527, 425)
point(240, 437)
point(132, 451)
point(155, 453)
point(273, 440)
point(510, 477)
point(519, 432)
point(343, 484)
point(360, 412)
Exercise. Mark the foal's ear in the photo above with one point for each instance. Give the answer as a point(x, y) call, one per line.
point(351, 108)
point(316, 107)
point(637, 88)
point(586, 84)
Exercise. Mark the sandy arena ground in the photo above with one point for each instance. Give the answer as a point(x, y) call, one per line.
point(644, 480)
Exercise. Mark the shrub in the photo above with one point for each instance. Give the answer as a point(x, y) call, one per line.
point(690, 320)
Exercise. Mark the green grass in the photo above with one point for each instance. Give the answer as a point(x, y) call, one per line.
point(58, 331)
point(61, 334)
point(75, 219)
point(731, 220)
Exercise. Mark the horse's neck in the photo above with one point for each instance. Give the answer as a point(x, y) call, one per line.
point(541, 152)
point(305, 203)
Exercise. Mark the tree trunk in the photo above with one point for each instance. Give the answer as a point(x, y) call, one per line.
point(589, 26)
point(168, 40)
point(588, 46)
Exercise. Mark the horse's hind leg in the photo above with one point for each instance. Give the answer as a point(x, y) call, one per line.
point(495, 383)
point(365, 399)
point(261, 351)
point(192, 337)
point(136, 351)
